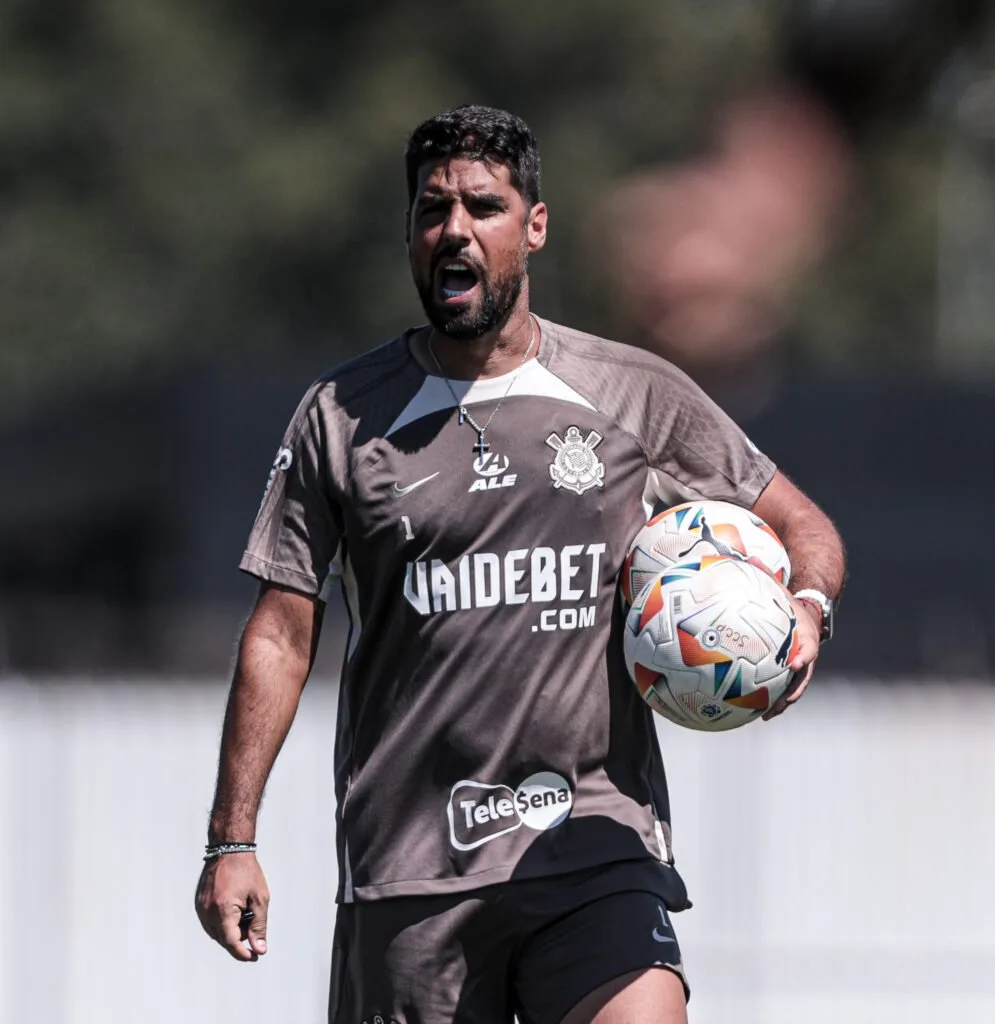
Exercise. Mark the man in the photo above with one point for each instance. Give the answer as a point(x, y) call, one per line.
point(503, 840)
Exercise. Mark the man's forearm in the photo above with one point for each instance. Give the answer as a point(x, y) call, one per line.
point(269, 676)
point(818, 559)
point(816, 552)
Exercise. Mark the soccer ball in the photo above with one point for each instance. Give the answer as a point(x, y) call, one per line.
point(696, 533)
point(709, 647)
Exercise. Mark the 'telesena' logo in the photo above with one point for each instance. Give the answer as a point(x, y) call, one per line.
point(479, 812)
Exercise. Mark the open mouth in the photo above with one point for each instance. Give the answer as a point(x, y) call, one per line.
point(455, 280)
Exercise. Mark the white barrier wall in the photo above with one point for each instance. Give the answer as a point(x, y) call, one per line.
point(841, 860)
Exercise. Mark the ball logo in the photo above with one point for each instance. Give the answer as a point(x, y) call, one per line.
point(479, 813)
point(710, 709)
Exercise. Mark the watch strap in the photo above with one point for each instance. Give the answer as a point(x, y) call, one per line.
point(825, 606)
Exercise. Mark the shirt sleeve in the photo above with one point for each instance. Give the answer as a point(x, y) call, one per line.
point(696, 452)
point(295, 538)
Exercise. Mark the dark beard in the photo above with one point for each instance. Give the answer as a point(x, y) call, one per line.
point(475, 320)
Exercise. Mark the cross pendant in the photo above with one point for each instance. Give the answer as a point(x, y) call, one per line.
point(481, 447)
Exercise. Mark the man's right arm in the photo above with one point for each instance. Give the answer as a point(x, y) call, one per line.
point(274, 658)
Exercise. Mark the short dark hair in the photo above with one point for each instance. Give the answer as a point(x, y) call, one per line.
point(478, 133)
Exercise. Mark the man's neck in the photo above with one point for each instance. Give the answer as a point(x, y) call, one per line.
point(491, 355)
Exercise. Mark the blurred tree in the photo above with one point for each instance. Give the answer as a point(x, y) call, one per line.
point(181, 178)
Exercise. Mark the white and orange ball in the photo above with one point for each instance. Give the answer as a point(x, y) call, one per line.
point(696, 533)
point(709, 648)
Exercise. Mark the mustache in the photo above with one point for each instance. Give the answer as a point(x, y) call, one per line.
point(452, 252)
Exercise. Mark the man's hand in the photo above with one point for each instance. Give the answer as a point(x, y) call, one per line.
point(803, 664)
point(274, 659)
point(229, 886)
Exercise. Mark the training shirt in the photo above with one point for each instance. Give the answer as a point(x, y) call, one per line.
point(487, 729)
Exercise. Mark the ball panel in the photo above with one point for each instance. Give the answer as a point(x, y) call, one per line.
point(694, 652)
point(708, 648)
point(758, 700)
point(652, 604)
point(644, 678)
point(729, 535)
point(696, 532)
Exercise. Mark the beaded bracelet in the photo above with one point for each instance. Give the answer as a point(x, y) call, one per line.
point(212, 852)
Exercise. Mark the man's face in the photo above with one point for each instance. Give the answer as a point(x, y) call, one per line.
point(469, 238)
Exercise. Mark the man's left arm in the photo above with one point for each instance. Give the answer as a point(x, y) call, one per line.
point(818, 562)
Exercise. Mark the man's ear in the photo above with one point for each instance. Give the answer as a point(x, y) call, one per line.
point(536, 228)
point(407, 227)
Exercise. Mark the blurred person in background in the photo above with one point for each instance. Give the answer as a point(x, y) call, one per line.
point(503, 823)
point(706, 256)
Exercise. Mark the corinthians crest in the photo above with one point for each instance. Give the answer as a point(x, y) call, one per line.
point(576, 467)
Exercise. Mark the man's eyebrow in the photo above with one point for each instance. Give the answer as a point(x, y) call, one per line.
point(482, 198)
point(488, 198)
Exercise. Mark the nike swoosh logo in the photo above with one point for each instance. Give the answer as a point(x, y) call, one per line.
point(656, 932)
point(399, 492)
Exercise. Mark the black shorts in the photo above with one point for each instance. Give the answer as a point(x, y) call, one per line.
point(531, 948)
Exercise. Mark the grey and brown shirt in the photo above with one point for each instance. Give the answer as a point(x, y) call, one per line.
point(487, 729)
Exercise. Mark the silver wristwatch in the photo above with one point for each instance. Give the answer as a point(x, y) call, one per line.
point(826, 606)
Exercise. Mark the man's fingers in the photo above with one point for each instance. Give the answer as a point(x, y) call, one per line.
point(794, 690)
point(777, 708)
point(231, 935)
point(255, 928)
point(802, 664)
point(808, 645)
point(808, 651)
point(799, 684)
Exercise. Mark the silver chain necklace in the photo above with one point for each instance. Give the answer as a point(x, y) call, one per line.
point(482, 447)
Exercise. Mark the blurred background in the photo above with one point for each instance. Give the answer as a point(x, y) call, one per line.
point(201, 210)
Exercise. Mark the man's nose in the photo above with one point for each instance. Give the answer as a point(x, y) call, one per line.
point(457, 226)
